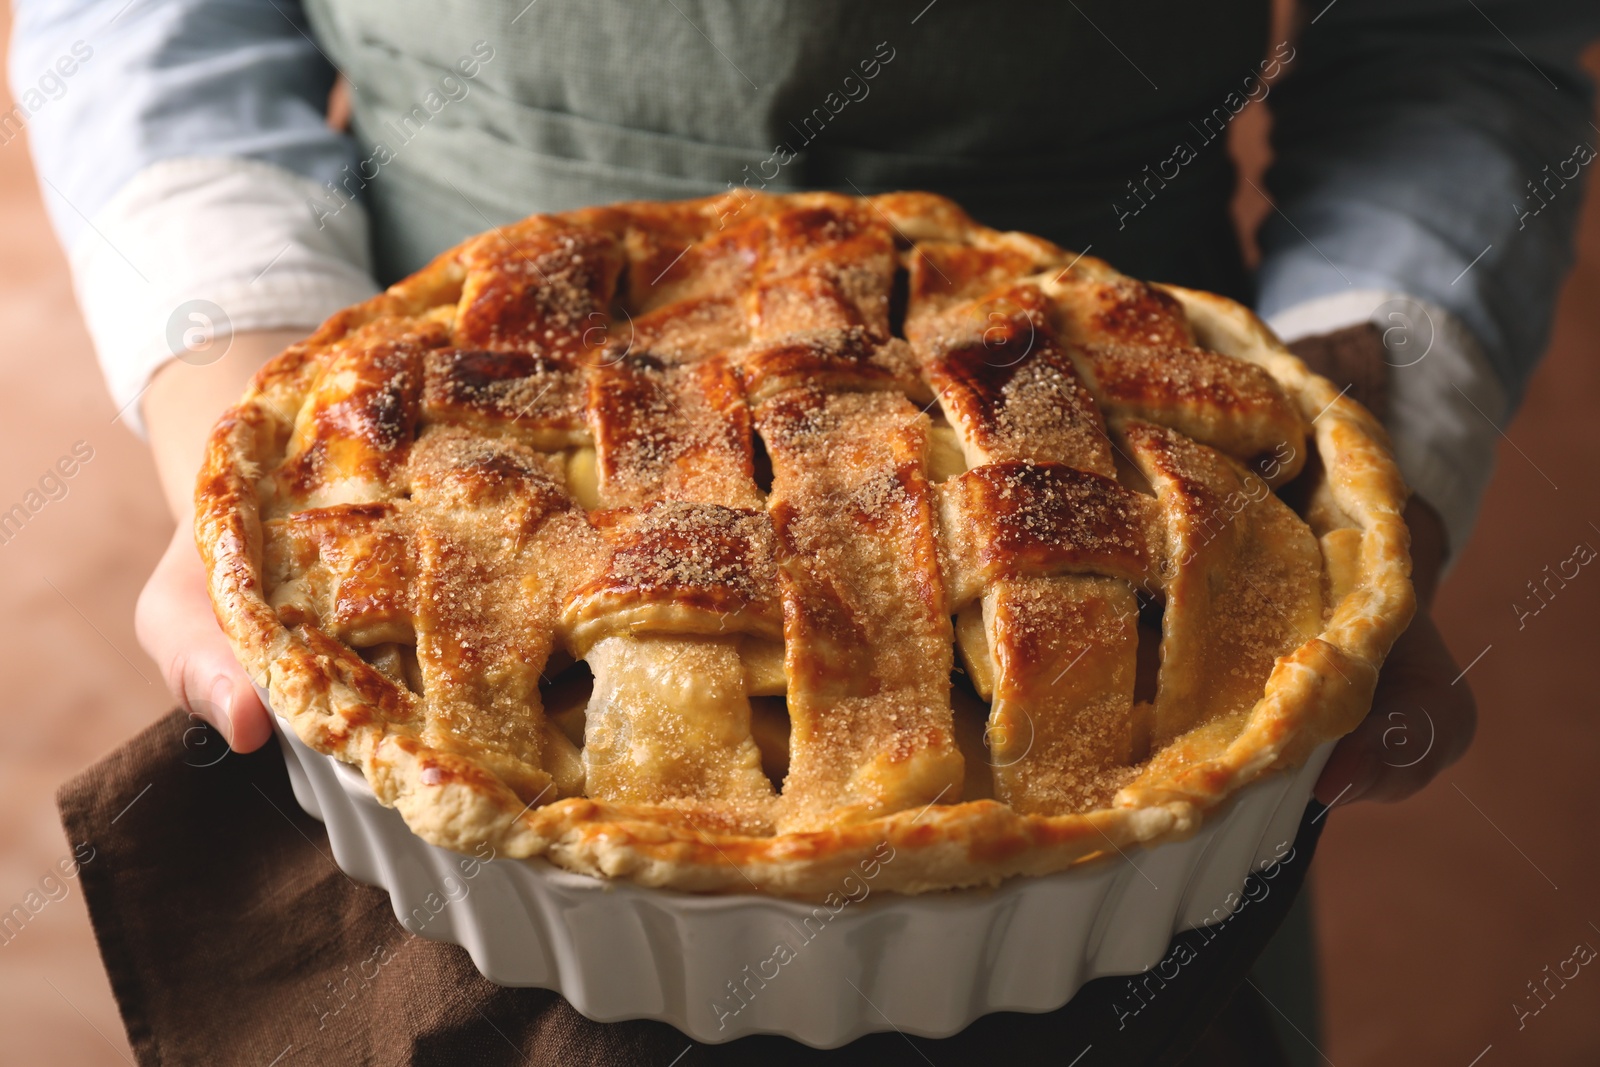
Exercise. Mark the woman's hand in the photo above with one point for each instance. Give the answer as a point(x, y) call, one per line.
point(177, 628)
point(173, 619)
point(1423, 714)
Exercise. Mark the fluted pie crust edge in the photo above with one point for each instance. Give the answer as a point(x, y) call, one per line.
point(1315, 693)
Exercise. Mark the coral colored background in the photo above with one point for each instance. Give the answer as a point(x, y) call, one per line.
point(1432, 918)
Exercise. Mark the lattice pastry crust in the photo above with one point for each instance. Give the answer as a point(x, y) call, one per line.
point(762, 467)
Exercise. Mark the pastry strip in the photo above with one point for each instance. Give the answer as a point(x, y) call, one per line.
point(688, 573)
point(1229, 542)
point(497, 543)
point(1057, 651)
point(866, 624)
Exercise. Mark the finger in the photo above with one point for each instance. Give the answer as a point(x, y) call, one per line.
point(1423, 719)
point(1350, 770)
point(1428, 713)
point(175, 625)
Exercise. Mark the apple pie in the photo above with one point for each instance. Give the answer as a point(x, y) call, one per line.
point(732, 544)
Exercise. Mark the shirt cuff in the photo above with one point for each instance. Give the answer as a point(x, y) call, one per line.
point(192, 250)
point(1445, 403)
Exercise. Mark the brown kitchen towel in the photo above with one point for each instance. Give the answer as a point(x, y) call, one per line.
point(230, 937)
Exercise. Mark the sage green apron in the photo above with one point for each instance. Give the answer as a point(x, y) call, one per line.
point(1058, 119)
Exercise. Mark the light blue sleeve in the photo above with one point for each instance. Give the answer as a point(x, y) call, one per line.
point(1421, 147)
point(152, 80)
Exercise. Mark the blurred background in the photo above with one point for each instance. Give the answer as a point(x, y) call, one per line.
point(1433, 916)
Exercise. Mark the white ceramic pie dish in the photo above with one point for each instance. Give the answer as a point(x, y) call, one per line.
point(712, 966)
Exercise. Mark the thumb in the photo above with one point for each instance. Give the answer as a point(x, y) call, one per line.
point(175, 625)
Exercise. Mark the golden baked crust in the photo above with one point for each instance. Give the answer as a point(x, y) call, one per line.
point(750, 447)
